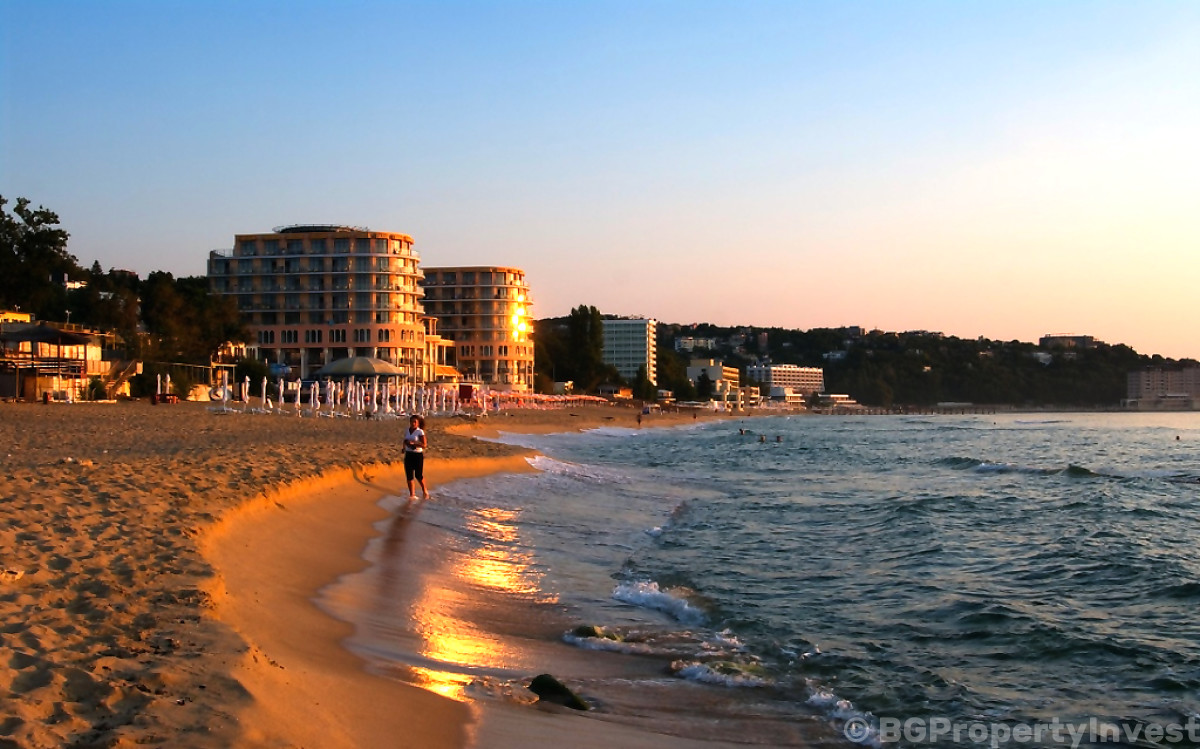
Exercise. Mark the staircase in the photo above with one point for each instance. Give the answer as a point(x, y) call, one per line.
point(119, 374)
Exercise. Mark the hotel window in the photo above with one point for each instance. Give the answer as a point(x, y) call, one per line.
point(245, 266)
point(337, 335)
point(385, 336)
point(312, 336)
point(362, 335)
point(270, 246)
point(363, 245)
point(266, 337)
point(295, 247)
point(341, 245)
point(316, 246)
point(249, 247)
point(291, 318)
point(381, 245)
point(289, 336)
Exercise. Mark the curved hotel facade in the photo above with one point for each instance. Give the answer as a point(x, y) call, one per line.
point(484, 310)
point(311, 294)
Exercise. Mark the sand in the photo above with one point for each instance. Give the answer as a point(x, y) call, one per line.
point(160, 564)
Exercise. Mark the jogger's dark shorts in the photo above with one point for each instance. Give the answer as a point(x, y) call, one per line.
point(414, 466)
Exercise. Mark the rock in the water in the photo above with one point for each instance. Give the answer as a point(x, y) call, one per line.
point(550, 689)
point(591, 630)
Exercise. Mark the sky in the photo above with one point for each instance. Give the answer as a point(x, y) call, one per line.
point(1003, 169)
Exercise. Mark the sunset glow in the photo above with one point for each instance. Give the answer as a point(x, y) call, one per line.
point(991, 169)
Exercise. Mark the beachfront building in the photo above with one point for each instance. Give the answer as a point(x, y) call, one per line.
point(726, 382)
point(311, 294)
point(799, 380)
point(483, 311)
point(630, 345)
point(58, 361)
point(1155, 388)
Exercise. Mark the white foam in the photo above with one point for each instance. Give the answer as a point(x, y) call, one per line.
point(648, 595)
point(843, 710)
point(720, 673)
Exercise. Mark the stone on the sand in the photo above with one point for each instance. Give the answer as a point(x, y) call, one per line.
point(550, 689)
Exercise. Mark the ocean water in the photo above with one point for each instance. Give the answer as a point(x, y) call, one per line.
point(844, 575)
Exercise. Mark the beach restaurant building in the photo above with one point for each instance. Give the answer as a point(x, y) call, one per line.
point(484, 311)
point(312, 294)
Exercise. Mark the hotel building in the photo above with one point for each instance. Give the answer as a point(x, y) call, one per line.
point(804, 380)
point(1155, 388)
point(312, 294)
point(484, 311)
point(630, 345)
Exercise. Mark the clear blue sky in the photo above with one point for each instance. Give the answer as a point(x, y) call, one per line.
point(1005, 169)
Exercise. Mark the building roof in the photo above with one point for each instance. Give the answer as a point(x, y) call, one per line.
point(312, 228)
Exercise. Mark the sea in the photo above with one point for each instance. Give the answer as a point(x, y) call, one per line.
point(967, 580)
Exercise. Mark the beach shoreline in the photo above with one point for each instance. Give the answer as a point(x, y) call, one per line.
point(118, 625)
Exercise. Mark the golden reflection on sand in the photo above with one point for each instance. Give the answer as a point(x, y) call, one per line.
point(445, 612)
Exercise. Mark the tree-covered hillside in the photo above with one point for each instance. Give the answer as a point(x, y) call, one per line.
point(880, 368)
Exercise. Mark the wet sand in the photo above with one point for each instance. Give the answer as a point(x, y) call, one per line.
point(159, 565)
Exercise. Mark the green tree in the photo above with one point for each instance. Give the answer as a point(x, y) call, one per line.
point(34, 262)
point(585, 348)
point(643, 389)
point(186, 323)
point(704, 387)
point(672, 373)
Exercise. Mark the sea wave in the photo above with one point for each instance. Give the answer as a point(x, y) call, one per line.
point(675, 602)
point(722, 673)
point(580, 471)
point(673, 644)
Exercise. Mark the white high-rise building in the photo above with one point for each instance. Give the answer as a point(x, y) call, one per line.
point(631, 344)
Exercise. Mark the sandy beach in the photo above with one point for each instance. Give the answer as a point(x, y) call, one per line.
point(160, 565)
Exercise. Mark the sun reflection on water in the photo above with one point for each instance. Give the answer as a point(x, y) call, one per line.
point(446, 611)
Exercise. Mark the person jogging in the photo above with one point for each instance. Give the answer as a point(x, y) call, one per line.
point(415, 443)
